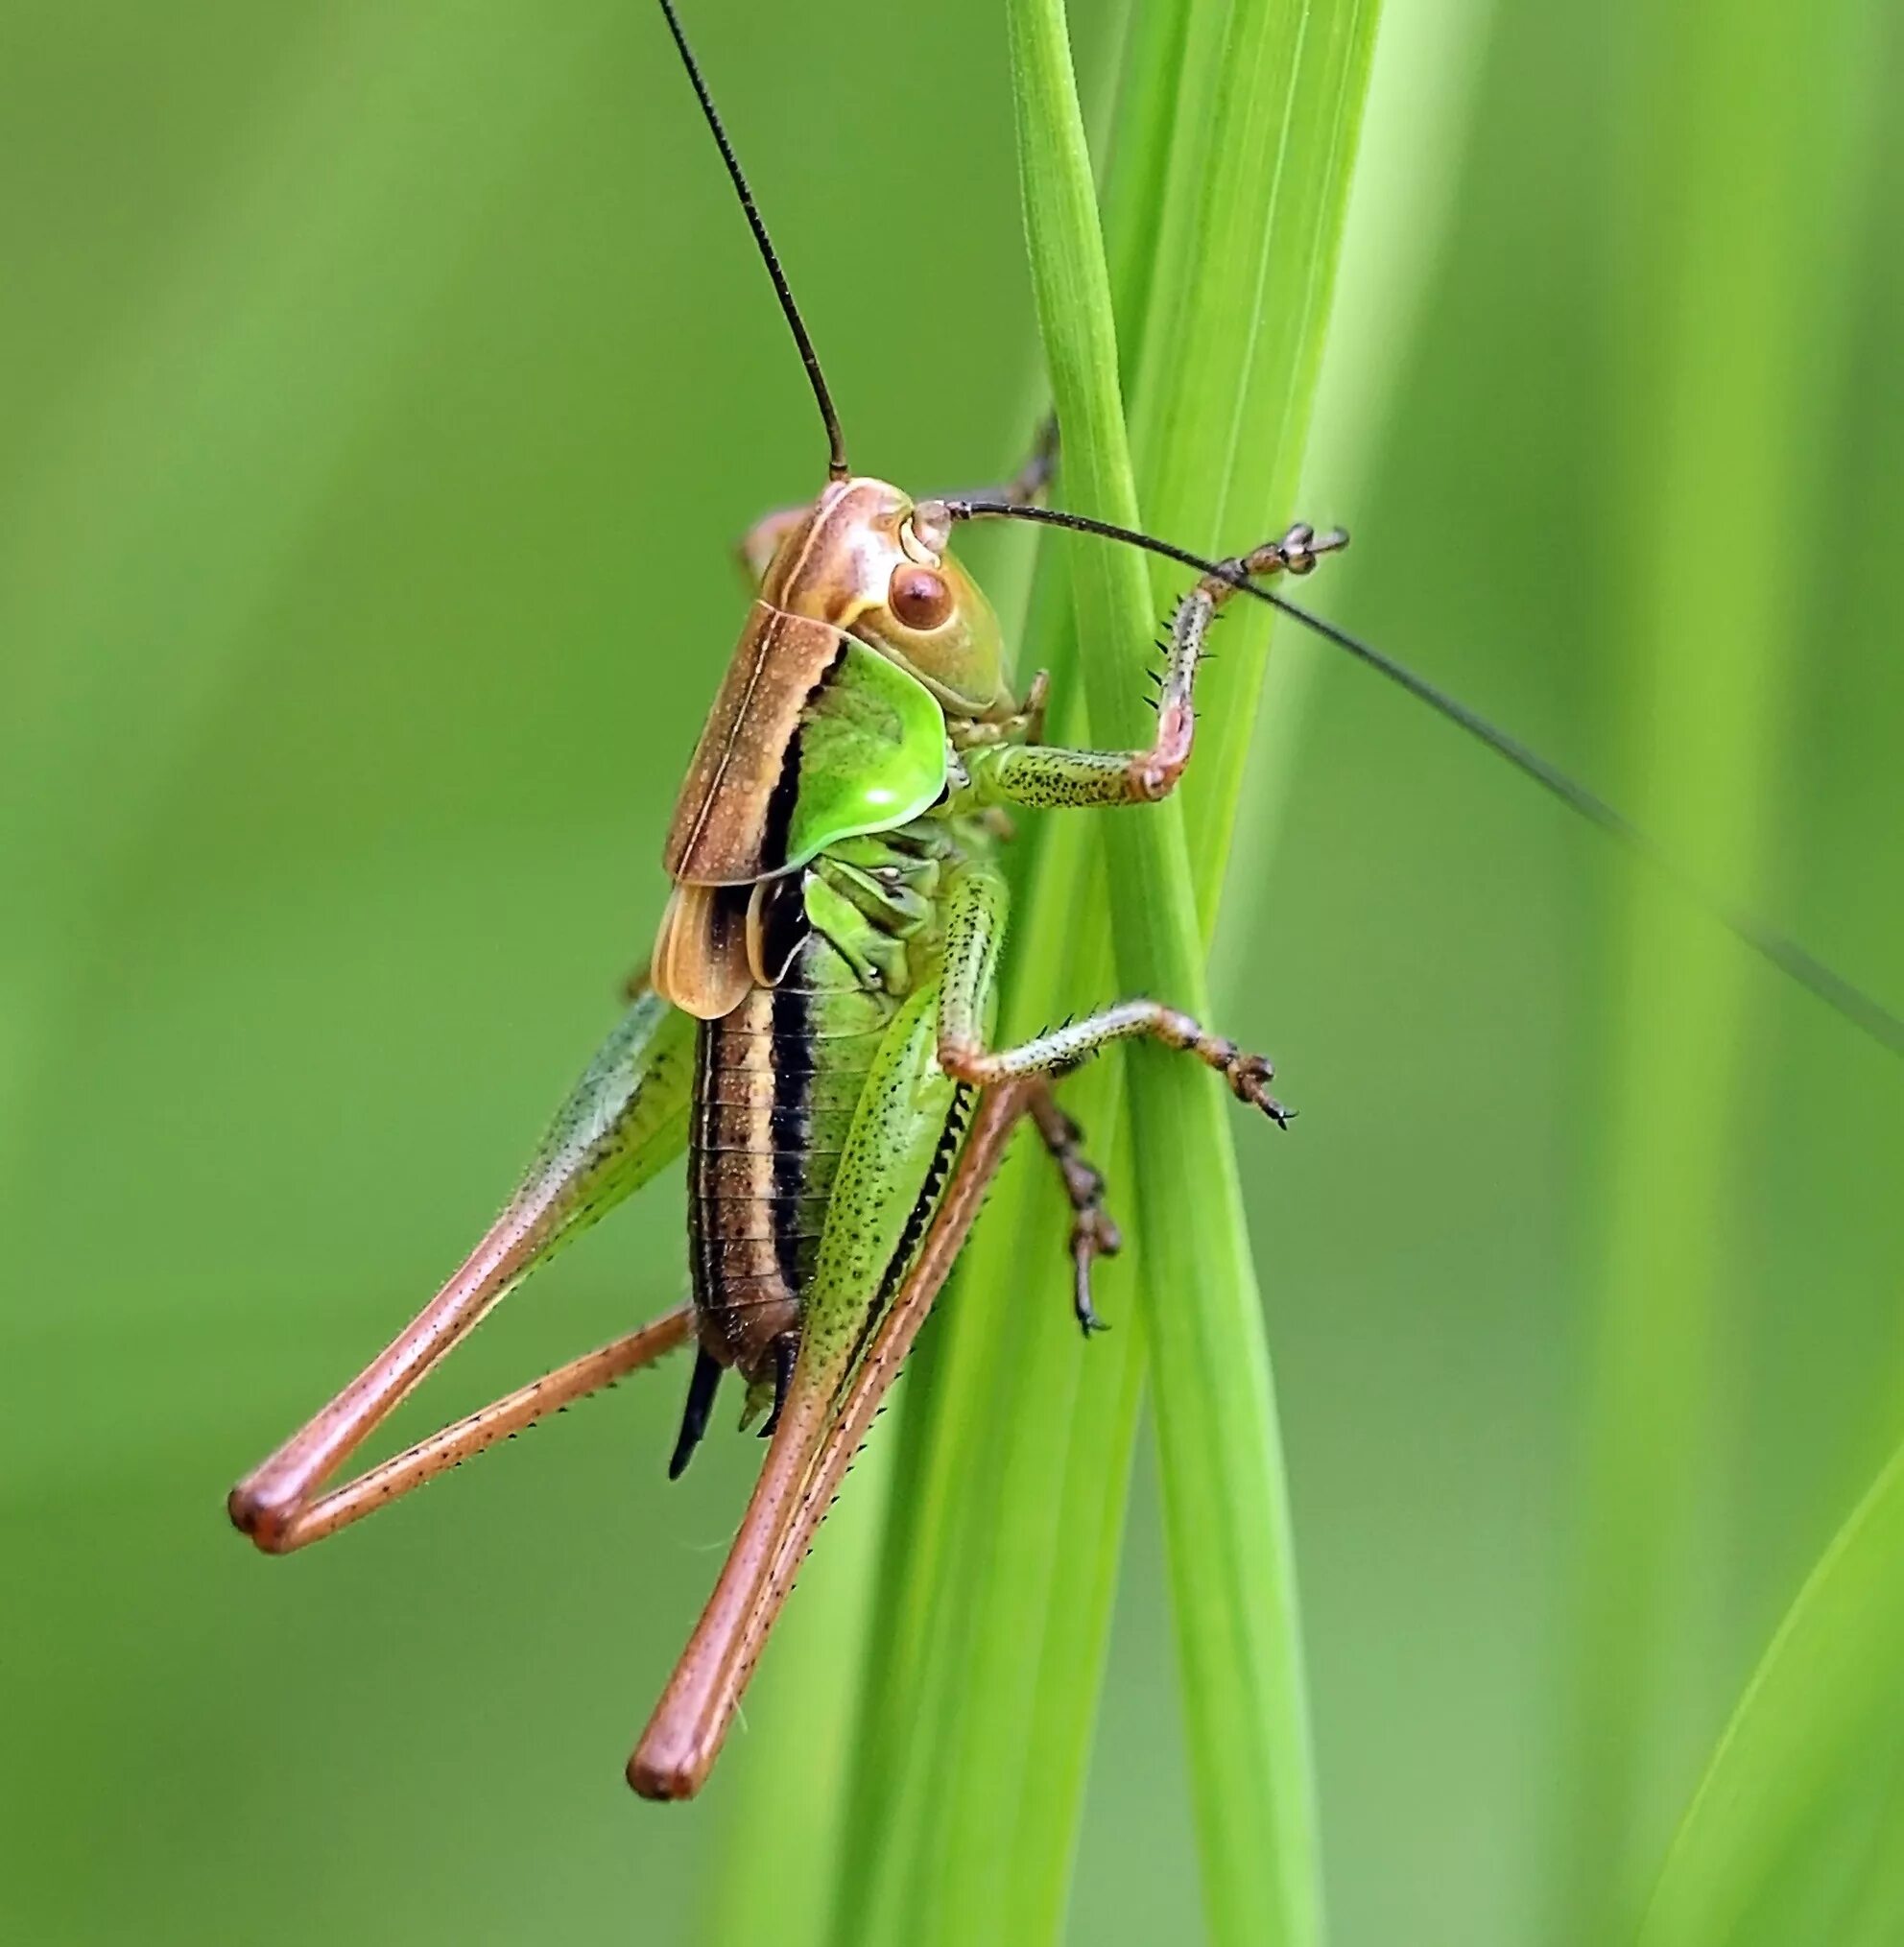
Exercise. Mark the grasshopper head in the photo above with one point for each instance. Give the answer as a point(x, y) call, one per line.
point(871, 562)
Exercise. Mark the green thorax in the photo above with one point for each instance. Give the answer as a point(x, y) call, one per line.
point(869, 755)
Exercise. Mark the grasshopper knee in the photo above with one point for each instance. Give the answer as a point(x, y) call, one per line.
point(264, 1520)
point(662, 1780)
point(965, 1060)
point(1155, 773)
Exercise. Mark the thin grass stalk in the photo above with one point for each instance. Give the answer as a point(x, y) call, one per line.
point(1421, 100)
point(1226, 1498)
point(1225, 1503)
point(975, 1828)
point(967, 1808)
point(1286, 126)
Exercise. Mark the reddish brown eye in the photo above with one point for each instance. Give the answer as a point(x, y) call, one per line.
point(919, 598)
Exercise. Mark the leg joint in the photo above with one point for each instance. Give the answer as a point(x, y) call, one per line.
point(965, 1060)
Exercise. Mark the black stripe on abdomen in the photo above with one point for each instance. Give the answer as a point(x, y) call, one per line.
point(791, 1054)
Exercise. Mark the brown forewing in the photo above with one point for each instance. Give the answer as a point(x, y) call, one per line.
point(700, 960)
point(720, 835)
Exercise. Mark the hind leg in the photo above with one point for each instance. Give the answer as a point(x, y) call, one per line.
point(624, 1120)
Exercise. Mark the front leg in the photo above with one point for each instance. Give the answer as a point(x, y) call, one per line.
point(1026, 487)
point(1024, 725)
point(1044, 777)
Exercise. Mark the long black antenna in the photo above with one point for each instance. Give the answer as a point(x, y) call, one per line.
point(1838, 993)
point(836, 462)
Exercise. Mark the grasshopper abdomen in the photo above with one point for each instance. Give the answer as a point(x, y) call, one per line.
point(776, 1081)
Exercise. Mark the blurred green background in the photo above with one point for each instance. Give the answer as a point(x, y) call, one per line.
point(380, 390)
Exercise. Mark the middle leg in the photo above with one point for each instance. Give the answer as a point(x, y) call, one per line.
point(974, 928)
point(1094, 1233)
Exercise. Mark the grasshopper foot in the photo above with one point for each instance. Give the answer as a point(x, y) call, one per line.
point(1296, 554)
point(1249, 1075)
point(1094, 1233)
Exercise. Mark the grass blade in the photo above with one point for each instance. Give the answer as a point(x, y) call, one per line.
point(1250, 1765)
point(1792, 1834)
point(1002, 1557)
point(1226, 1503)
point(999, 1588)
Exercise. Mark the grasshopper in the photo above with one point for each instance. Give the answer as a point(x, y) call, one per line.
point(815, 1027)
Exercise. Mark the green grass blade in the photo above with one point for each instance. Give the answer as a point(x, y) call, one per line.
point(1792, 1834)
point(1227, 1509)
point(1005, 1532)
point(1225, 1498)
point(1421, 97)
point(1001, 1569)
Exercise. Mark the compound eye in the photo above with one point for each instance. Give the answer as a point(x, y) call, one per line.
point(919, 598)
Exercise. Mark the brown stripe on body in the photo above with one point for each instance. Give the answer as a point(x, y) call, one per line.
point(776, 1082)
point(720, 829)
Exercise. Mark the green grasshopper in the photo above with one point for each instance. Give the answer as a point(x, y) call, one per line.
point(815, 1026)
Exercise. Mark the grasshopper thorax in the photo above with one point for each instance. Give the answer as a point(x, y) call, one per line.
point(832, 722)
